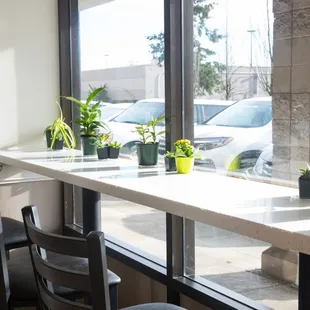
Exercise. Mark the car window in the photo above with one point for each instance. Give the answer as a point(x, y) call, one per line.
point(246, 114)
point(141, 113)
point(209, 111)
point(196, 113)
point(109, 111)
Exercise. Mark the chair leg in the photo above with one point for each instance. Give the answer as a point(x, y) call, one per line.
point(7, 255)
point(114, 297)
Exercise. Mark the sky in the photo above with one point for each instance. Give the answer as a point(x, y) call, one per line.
point(114, 34)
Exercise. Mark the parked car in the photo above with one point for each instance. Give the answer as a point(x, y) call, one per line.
point(263, 165)
point(110, 111)
point(124, 124)
point(233, 139)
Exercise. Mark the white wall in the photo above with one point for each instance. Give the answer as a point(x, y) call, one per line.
point(29, 78)
point(29, 86)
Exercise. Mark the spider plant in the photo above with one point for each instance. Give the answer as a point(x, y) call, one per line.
point(60, 131)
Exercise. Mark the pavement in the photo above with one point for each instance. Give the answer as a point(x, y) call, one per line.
point(228, 259)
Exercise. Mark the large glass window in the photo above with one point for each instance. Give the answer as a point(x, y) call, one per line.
point(116, 38)
point(251, 121)
point(262, 137)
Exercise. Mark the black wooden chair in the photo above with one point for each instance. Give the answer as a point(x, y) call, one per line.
point(95, 281)
point(13, 233)
point(17, 281)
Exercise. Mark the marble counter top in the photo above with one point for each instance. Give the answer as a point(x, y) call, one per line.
point(265, 212)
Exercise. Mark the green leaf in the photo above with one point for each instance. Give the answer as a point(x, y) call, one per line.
point(80, 104)
point(93, 94)
point(93, 109)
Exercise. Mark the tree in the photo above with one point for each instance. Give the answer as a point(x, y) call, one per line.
point(207, 76)
point(228, 85)
point(103, 95)
point(265, 43)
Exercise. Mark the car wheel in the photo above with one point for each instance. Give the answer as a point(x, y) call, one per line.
point(133, 152)
point(130, 149)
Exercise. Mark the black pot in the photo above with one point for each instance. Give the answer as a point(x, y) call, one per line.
point(48, 135)
point(304, 188)
point(147, 154)
point(113, 152)
point(103, 152)
point(58, 145)
point(170, 164)
point(89, 145)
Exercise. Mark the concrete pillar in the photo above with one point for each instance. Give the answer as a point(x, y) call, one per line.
point(291, 111)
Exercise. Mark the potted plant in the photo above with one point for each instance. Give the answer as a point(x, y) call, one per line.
point(59, 133)
point(114, 148)
point(184, 155)
point(304, 183)
point(147, 148)
point(89, 121)
point(102, 146)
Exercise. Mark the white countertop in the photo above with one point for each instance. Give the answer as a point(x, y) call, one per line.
point(265, 212)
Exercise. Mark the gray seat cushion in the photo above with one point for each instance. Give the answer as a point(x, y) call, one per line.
point(21, 277)
point(154, 306)
point(13, 233)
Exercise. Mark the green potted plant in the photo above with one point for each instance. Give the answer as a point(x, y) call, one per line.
point(114, 148)
point(89, 121)
point(304, 183)
point(102, 146)
point(59, 133)
point(184, 155)
point(147, 148)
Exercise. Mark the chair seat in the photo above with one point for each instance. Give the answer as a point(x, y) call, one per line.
point(22, 281)
point(14, 234)
point(155, 306)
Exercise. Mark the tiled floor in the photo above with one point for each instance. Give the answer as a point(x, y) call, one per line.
point(228, 259)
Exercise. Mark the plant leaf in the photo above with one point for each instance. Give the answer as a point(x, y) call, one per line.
point(80, 104)
point(93, 94)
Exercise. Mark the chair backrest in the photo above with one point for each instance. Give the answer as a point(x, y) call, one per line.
point(94, 282)
point(4, 276)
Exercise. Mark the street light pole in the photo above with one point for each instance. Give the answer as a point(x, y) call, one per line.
point(251, 31)
point(251, 80)
point(106, 60)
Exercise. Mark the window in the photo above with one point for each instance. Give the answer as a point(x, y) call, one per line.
point(208, 111)
point(260, 137)
point(244, 114)
point(111, 111)
point(247, 125)
point(118, 58)
point(141, 112)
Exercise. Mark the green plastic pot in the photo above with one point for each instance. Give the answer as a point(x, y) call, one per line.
point(103, 152)
point(58, 145)
point(113, 152)
point(147, 154)
point(89, 146)
point(170, 164)
point(184, 165)
point(304, 188)
point(48, 135)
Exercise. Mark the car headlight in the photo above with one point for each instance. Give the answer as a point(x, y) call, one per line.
point(205, 144)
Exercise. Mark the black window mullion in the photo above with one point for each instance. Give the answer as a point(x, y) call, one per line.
point(179, 113)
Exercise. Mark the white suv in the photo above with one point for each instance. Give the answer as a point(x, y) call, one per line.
point(233, 139)
point(141, 112)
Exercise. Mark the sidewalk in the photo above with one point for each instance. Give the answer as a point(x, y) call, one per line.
point(225, 258)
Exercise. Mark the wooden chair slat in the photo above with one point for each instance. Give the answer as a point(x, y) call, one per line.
point(61, 276)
